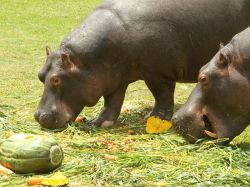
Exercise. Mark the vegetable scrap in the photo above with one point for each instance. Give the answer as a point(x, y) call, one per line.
point(110, 157)
point(131, 132)
point(8, 134)
point(58, 179)
point(211, 134)
point(80, 119)
point(156, 125)
point(5, 171)
point(34, 181)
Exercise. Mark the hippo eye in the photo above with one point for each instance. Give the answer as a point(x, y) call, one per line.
point(55, 80)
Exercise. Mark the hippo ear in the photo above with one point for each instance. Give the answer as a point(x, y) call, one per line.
point(223, 60)
point(66, 60)
point(48, 50)
point(221, 45)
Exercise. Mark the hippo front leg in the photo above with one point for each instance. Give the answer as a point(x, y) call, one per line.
point(112, 108)
point(163, 92)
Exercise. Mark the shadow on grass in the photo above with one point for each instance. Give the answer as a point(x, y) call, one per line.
point(243, 145)
point(133, 119)
point(6, 107)
point(177, 107)
point(2, 115)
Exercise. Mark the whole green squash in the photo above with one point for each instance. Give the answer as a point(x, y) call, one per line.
point(27, 153)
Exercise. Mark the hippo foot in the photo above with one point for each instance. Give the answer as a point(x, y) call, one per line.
point(161, 115)
point(102, 123)
point(106, 124)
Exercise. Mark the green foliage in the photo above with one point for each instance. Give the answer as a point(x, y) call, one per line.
point(26, 27)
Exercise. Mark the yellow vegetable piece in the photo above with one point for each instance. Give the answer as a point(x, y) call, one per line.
point(8, 134)
point(29, 137)
point(156, 125)
point(58, 179)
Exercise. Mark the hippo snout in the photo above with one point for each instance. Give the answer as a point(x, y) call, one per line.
point(190, 125)
point(179, 123)
point(51, 120)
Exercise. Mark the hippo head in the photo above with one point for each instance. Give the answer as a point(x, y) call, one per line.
point(69, 85)
point(219, 106)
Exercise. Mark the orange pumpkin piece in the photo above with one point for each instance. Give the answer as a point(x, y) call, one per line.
point(131, 132)
point(34, 181)
point(7, 165)
point(5, 171)
point(156, 125)
point(80, 119)
point(110, 157)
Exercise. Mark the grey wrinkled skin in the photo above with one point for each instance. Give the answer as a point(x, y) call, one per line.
point(159, 41)
point(220, 103)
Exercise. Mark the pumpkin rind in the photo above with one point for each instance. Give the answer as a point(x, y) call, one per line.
point(25, 153)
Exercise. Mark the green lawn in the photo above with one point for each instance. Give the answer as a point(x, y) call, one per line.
point(26, 27)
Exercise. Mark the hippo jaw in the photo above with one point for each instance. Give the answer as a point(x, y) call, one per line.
point(224, 126)
point(208, 123)
point(197, 120)
point(195, 126)
point(215, 128)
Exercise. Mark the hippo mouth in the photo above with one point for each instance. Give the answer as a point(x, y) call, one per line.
point(71, 117)
point(57, 129)
point(209, 130)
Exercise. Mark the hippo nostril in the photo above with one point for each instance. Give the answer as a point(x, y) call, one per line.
point(43, 118)
point(178, 124)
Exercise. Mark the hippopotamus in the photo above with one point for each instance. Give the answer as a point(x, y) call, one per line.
point(219, 105)
point(159, 41)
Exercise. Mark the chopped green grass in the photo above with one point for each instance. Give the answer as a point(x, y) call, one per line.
point(26, 27)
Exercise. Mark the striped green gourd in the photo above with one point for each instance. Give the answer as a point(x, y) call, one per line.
point(27, 153)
